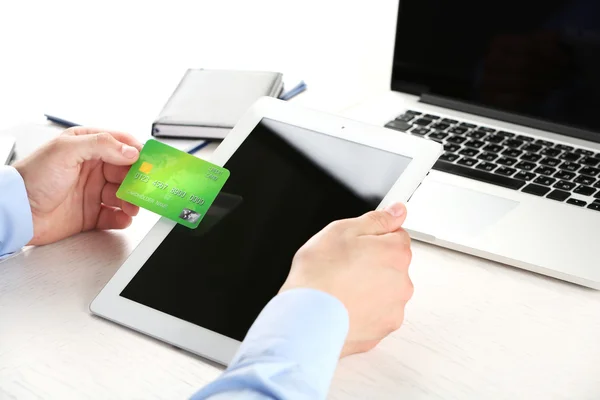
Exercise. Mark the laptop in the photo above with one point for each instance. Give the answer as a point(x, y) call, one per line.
point(512, 91)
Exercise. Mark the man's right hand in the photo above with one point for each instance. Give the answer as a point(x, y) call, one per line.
point(363, 262)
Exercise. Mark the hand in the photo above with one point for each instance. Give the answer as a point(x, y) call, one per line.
point(364, 263)
point(72, 181)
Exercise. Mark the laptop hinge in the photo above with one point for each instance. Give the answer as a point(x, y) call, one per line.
point(509, 117)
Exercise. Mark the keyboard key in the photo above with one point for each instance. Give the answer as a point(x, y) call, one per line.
point(495, 139)
point(525, 138)
point(412, 112)
point(420, 131)
point(564, 175)
point(438, 136)
point(469, 152)
point(570, 166)
point(456, 139)
point(531, 157)
point(422, 122)
point(467, 125)
point(440, 126)
point(550, 152)
point(458, 130)
point(526, 176)
point(543, 170)
point(479, 175)
point(449, 157)
point(431, 116)
point(584, 152)
point(576, 202)
point(551, 162)
point(591, 171)
point(563, 147)
point(536, 189)
point(493, 148)
point(469, 162)
point(545, 180)
point(585, 180)
point(487, 156)
point(398, 125)
point(591, 161)
point(506, 161)
point(513, 143)
point(486, 166)
point(505, 134)
point(474, 143)
point(594, 206)
point(526, 166)
point(532, 148)
point(478, 135)
point(451, 147)
point(568, 156)
point(506, 171)
point(564, 185)
point(405, 117)
point(512, 153)
point(597, 196)
point(450, 121)
point(558, 195)
point(597, 185)
point(584, 190)
point(486, 129)
point(543, 143)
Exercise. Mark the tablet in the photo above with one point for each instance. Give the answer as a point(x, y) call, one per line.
point(292, 172)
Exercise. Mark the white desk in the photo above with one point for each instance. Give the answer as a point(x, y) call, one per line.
point(474, 329)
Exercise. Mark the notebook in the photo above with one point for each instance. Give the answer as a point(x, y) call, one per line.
point(208, 103)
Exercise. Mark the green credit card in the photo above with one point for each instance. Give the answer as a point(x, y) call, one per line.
point(172, 183)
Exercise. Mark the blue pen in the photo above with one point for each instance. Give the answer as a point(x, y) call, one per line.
point(59, 121)
point(68, 124)
point(296, 90)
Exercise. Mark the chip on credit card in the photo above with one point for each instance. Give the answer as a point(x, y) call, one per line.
point(172, 183)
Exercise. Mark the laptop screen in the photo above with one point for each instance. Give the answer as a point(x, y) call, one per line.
point(539, 59)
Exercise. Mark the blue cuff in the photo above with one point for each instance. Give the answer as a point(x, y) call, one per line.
point(290, 352)
point(16, 225)
point(305, 326)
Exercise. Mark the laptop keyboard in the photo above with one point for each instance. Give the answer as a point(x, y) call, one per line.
point(539, 167)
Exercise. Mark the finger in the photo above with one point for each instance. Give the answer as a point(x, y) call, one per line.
point(109, 195)
point(112, 218)
point(102, 146)
point(129, 209)
point(379, 222)
point(120, 136)
point(109, 198)
point(115, 173)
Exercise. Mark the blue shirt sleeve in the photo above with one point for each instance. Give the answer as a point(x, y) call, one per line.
point(290, 352)
point(16, 225)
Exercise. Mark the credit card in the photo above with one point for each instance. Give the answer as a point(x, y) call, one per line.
point(172, 183)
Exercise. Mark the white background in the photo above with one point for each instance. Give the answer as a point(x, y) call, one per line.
point(116, 62)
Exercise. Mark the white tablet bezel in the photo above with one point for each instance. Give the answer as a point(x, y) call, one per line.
point(211, 345)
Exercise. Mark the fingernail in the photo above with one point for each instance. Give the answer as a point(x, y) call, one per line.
point(395, 210)
point(129, 152)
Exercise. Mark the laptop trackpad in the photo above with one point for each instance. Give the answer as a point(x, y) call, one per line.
point(447, 211)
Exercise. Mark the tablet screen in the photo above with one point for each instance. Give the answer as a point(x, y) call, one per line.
point(286, 184)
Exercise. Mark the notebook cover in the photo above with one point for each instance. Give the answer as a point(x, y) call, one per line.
point(215, 99)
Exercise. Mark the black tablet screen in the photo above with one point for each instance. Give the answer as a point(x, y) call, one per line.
point(286, 184)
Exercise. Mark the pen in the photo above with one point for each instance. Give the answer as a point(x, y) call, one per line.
point(296, 90)
point(68, 124)
point(59, 121)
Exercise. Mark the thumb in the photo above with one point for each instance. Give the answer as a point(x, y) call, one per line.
point(103, 146)
point(381, 222)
